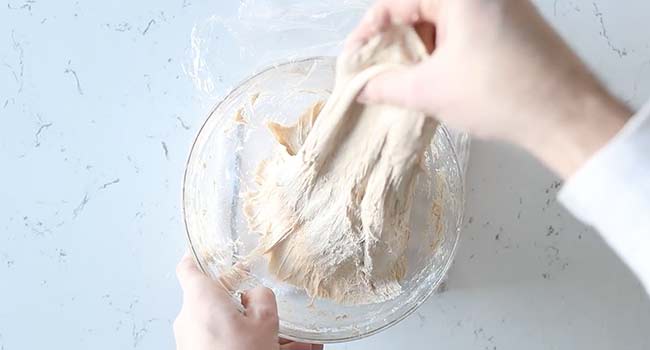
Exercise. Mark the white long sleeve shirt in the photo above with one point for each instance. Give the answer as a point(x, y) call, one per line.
point(611, 192)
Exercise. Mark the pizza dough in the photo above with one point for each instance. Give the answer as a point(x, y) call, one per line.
point(332, 204)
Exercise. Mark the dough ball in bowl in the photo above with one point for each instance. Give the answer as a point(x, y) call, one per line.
point(222, 166)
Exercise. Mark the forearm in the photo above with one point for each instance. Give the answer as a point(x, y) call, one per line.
point(584, 120)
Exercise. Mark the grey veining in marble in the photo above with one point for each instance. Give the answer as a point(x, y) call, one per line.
point(97, 115)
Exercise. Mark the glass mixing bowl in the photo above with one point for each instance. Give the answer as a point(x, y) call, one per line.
point(221, 166)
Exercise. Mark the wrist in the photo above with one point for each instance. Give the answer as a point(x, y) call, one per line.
point(579, 127)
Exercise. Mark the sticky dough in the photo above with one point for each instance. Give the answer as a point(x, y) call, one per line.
point(332, 204)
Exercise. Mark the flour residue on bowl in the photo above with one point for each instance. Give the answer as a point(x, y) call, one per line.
point(333, 202)
point(222, 165)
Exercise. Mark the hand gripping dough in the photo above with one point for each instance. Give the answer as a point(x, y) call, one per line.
point(333, 202)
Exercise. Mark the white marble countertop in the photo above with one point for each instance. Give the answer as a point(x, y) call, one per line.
point(96, 119)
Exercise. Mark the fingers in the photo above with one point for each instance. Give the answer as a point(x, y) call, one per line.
point(301, 346)
point(260, 304)
point(376, 19)
point(396, 87)
point(200, 291)
point(385, 12)
point(290, 345)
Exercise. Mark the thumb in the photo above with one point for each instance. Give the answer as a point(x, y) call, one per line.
point(188, 272)
point(260, 304)
point(398, 87)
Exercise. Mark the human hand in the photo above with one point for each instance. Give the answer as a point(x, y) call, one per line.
point(499, 71)
point(210, 319)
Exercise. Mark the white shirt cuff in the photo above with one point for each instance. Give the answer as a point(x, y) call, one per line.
point(611, 192)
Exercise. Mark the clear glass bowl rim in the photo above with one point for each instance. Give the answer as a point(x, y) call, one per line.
point(456, 231)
